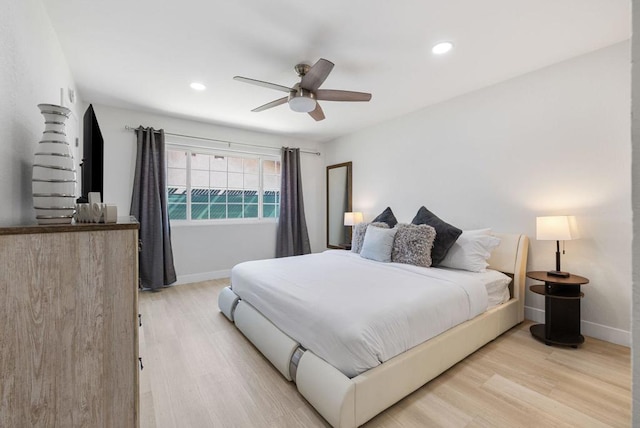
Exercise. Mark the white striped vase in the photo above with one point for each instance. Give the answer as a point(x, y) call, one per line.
point(54, 174)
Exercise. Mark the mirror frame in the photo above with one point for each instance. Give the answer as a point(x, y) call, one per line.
point(348, 190)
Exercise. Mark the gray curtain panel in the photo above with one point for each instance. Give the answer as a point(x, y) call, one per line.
point(293, 238)
point(149, 207)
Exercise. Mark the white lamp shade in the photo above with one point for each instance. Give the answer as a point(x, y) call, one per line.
point(556, 228)
point(353, 218)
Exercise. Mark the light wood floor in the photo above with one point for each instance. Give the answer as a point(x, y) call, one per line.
point(201, 372)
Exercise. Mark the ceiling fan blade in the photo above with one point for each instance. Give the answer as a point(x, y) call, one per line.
point(337, 95)
point(271, 104)
point(263, 84)
point(317, 113)
point(316, 75)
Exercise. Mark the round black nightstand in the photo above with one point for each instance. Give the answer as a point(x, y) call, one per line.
point(561, 309)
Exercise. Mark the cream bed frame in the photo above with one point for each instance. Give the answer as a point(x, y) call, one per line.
point(350, 402)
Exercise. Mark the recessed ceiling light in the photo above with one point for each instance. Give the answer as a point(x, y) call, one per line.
point(442, 47)
point(198, 86)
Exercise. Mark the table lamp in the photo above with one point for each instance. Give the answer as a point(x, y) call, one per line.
point(556, 228)
point(352, 218)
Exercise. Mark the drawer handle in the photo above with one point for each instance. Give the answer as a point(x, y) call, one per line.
point(139, 320)
point(140, 361)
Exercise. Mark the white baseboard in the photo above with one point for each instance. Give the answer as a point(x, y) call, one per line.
point(587, 328)
point(534, 314)
point(203, 276)
point(610, 334)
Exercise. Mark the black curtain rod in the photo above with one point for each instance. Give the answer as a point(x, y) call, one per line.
point(132, 128)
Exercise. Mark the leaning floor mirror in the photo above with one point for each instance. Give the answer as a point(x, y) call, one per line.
point(338, 203)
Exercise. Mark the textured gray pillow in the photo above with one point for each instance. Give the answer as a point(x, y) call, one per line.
point(378, 243)
point(359, 230)
point(413, 244)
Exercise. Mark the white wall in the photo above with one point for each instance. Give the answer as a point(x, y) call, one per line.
point(33, 69)
point(555, 141)
point(635, 129)
point(207, 251)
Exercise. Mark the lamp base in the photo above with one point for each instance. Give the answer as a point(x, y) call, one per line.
point(558, 274)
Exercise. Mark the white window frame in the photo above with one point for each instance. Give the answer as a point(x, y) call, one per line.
point(226, 153)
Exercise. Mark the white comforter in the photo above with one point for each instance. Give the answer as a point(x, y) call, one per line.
point(357, 313)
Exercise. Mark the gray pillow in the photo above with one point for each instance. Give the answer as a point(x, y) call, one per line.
point(446, 234)
point(386, 216)
point(413, 244)
point(359, 231)
point(378, 243)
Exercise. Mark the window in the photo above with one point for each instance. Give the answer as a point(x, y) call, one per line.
point(216, 186)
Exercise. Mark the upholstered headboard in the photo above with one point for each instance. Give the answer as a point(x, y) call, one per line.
point(511, 257)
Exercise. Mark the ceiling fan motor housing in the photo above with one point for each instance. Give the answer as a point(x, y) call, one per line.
point(302, 101)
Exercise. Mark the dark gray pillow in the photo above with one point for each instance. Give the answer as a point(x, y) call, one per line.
point(359, 231)
point(413, 244)
point(387, 217)
point(446, 234)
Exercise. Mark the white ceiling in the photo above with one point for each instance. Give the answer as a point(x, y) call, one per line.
point(143, 54)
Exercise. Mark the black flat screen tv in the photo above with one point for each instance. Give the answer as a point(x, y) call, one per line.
point(92, 166)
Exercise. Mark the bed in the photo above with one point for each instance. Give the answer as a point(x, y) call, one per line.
point(350, 384)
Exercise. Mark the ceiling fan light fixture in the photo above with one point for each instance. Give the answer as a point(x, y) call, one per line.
point(442, 48)
point(302, 101)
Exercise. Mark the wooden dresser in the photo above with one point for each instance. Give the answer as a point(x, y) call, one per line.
point(68, 325)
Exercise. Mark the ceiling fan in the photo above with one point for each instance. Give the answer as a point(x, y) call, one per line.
point(304, 96)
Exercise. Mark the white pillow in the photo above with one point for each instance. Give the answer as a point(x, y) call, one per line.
point(471, 251)
point(378, 243)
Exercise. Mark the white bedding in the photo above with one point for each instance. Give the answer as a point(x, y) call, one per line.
point(356, 313)
point(496, 283)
